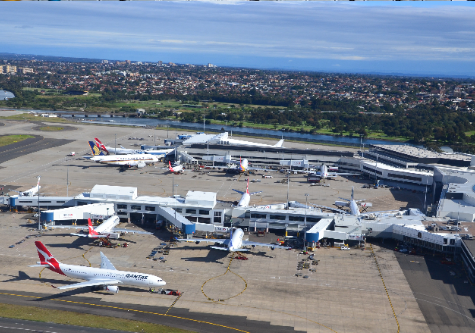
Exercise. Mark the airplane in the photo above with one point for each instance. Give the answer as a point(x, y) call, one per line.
point(106, 276)
point(125, 151)
point(246, 196)
point(105, 230)
point(325, 174)
point(354, 209)
point(234, 242)
point(239, 167)
point(225, 139)
point(32, 191)
point(177, 169)
point(132, 160)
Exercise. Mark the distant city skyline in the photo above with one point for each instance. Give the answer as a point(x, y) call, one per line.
point(423, 38)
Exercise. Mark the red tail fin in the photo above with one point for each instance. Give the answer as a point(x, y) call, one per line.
point(91, 229)
point(170, 166)
point(47, 258)
point(100, 145)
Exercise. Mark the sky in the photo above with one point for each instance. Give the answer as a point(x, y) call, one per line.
point(420, 38)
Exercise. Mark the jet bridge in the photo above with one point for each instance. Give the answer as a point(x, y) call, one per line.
point(177, 219)
point(78, 212)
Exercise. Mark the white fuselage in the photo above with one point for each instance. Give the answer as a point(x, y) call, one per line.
point(245, 199)
point(31, 192)
point(126, 278)
point(161, 152)
point(107, 225)
point(354, 210)
point(122, 151)
point(125, 159)
point(177, 168)
point(235, 242)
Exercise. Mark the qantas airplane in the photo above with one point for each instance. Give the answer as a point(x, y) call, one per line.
point(246, 196)
point(107, 276)
point(239, 167)
point(176, 169)
point(234, 243)
point(105, 230)
point(125, 151)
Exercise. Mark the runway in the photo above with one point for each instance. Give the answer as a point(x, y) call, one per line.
point(28, 146)
point(169, 316)
point(17, 325)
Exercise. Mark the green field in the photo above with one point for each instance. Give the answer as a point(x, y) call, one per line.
point(31, 117)
point(82, 319)
point(9, 139)
point(51, 128)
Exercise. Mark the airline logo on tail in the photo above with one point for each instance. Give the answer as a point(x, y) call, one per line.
point(170, 167)
point(92, 232)
point(47, 258)
point(95, 150)
point(100, 145)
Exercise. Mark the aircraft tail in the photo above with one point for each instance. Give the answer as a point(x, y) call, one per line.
point(92, 233)
point(247, 187)
point(170, 166)
point(95, 150)
point(352, 193)
point(279, 144)
point(46, 258)
point(101, 146)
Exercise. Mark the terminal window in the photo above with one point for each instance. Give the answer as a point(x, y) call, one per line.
point(136, 207)
point(121, 206)
point(191, 211)
point(297, 218)
point(204, 212)
point(150, 208)
point(178, 210)
point(277, 217)
point(258, 216)
point(313, 219)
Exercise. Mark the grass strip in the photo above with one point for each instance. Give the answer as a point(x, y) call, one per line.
point(82, 319)
point(9, 139)
point(51, 128)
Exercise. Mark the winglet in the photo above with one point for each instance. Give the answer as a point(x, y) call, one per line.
point(92, 232)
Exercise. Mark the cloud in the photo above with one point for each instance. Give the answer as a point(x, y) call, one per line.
point(297, 30)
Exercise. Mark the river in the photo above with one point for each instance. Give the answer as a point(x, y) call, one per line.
point(106, 119)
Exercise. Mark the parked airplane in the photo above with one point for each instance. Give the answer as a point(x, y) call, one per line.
point(177, 169)
point(325, 174)
point(234, 243)
point(107, 276)
point(238, 167)
point(105, 230)
point(132, 160)
point(124, 151)
point(246, 196)
point(32, 191)
point(355, 205)
point(225, 139)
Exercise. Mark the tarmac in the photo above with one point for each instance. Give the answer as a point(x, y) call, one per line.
point(350, 291)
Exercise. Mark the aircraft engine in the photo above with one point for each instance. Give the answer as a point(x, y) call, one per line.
point(197, 242)
point(112, 289)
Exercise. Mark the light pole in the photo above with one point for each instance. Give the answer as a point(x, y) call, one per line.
point(39, 218)
point(305, 222)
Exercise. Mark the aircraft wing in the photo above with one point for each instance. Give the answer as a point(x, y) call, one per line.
point(248, 243)
point(132, 231)
point(347, 174)
point(240, 192)
point(91, 283)
point(220, 241)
